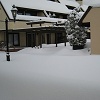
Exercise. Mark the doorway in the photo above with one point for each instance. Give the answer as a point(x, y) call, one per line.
point(31, 40)
point(48, 38)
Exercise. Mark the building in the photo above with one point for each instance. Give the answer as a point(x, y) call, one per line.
point(92, 17)
point(29, 12)
point(32, 18)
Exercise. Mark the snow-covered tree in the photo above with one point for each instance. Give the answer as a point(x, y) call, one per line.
point(76, 35)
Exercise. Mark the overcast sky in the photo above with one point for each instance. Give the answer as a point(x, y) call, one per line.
point(92, 2)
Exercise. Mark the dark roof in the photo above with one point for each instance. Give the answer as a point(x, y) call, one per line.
point(87, 24)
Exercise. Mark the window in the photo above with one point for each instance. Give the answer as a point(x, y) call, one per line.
point(60, 38)
point(65, 16)
point(53, 14)
point(70, 7)
point(14, 39)
point(29, 12)
point(78, 0)
point(54, 1)
point(20, 11)
point(51, 0)
point(16, 42)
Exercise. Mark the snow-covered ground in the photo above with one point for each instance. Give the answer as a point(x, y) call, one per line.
point(50, 73)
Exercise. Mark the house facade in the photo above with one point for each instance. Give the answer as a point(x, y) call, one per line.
point(42, 15)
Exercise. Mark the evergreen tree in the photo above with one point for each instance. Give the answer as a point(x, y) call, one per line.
point(76, 35)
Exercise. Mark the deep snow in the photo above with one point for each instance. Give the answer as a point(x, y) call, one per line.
point(50, 73)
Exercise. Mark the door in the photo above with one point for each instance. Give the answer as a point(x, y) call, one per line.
point(48, 38)
point(31, 40)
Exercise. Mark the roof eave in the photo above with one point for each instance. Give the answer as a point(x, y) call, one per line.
point(80, 23)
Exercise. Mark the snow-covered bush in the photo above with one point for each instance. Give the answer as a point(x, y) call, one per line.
point(76, 35)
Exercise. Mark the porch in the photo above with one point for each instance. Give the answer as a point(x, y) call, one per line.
point(34, 35)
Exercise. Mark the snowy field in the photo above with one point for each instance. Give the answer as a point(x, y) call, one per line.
point(50, 73)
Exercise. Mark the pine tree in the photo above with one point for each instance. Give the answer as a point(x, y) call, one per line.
point(76, 35)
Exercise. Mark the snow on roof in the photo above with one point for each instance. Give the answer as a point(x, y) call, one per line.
point(84, 7)
point(69, 2)
point(31, 18)
point(35, 4)
point(94, 3)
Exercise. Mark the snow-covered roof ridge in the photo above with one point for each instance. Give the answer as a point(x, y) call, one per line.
point(34, 4)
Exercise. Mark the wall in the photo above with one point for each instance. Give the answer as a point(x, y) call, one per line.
point(2, 24)
point(94, 18)
point(17, 24)
point(95, 31)
point(2, 17)
point(2, 36)
point(22, 39)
